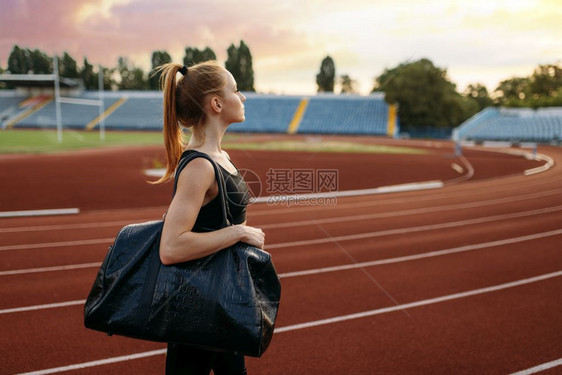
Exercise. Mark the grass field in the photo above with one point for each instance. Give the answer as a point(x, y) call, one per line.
point(45, 141)
point(323, 146)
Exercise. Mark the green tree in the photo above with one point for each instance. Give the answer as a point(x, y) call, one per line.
point(513, 90)
point(543, 88)
point(231, 63)
point(2, 84)
point(68, 67)
point(194, 55)
point(546, 81)
point(132, 78)
point(246, 79)
point(40, 62)
point(425, 95)
point(239, 64)
point(327, 76)
point(18, 61)
point(158, 58)
point(88, 76)
point(108, 81)
point(348, 85)
point(479, 93)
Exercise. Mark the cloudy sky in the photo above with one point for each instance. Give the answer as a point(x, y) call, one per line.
point(476, 40)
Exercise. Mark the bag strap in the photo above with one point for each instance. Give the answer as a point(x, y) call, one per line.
point(184, 160)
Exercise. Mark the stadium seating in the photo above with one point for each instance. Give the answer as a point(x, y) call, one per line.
point(142, 110)
point(267, 113)
point(9, 104)
point(138, 111)
point(9, 99)
point(345, 115)
point(513, 125)
point(73, 116)
point(320, 114)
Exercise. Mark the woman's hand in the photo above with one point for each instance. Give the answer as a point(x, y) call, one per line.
point(252, 236)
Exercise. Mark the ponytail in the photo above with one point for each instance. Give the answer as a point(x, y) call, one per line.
point(184, 103)
point(173, 136)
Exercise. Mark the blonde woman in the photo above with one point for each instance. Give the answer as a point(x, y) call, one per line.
point(204, 98)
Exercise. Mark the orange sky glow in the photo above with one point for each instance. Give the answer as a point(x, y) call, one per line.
point(476, 41)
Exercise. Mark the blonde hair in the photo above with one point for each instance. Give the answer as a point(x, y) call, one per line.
point(184, 105)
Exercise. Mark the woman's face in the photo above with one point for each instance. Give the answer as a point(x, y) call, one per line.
point(233, 101)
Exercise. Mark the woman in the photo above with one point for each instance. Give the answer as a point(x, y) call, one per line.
point(204, 98)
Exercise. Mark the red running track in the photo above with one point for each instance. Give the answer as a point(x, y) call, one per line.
point(462, 279)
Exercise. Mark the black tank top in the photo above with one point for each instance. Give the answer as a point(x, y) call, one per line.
point(210, 214)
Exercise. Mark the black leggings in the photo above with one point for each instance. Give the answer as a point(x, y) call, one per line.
point(185, 360)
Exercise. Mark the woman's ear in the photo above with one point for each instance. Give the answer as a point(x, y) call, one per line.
point(216, 104)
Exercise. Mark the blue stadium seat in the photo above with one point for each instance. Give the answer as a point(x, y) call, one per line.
point(267, 113)
point(73, 116)
point(345, 115)
point(142, 110)
point(9, 98)
point(513, 124)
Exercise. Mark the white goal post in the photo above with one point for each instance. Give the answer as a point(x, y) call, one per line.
point(59, 99)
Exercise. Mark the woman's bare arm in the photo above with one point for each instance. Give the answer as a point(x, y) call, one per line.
point(179, 244)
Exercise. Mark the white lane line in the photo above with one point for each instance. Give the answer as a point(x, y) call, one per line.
point(420, 228)
point(415, 211)
point(100, 362)
point(58, 244)
point(423, 255)
point(424, 302)
point(549, 164)
point(50, 269)
point(389, 232)
point(469, 174)
point(316, 323)
point(417, 199)
point(450, 207)
point(352, 193)
point(539, 368)
point(72, 226)
point(326, 269)
point(410, 186)
point(457, 168)
point(334, 268)
point(42, 307)
point(342, 267)
point(26, 213)
point(379, 215)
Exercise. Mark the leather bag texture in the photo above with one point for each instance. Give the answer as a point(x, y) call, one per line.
point(226, 301)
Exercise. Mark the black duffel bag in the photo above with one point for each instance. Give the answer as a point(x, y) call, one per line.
point(226, 301)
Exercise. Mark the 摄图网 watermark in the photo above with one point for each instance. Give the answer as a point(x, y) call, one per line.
point(291, 186)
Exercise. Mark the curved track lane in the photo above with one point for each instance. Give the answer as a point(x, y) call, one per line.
point(463, 279)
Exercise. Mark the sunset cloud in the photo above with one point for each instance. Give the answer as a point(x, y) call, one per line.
point(477, 41)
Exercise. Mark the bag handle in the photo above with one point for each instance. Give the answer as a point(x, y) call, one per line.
point(188, 156)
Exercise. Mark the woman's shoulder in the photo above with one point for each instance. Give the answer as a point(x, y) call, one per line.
point(192, 151)
point(196, 178)
point(196, 155)
point(199, 166)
